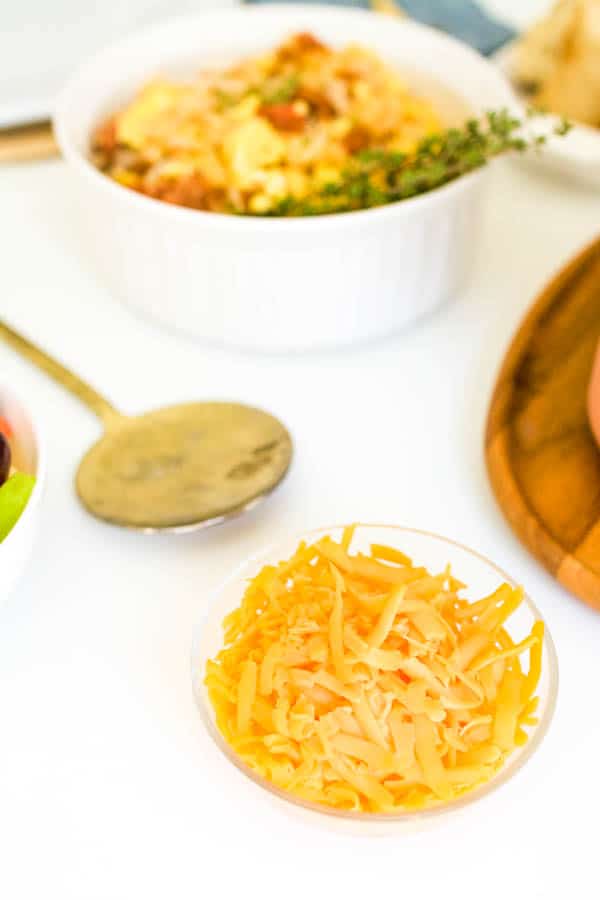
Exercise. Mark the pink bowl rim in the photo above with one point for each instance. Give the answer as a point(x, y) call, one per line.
point(40, 466)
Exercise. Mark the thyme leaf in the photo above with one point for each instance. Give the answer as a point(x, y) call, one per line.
point(376, 177)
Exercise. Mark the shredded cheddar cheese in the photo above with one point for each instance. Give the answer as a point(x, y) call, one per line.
point(367, 683)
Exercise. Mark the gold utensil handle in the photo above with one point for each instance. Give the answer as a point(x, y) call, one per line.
point(26, 143)
point(84, 392)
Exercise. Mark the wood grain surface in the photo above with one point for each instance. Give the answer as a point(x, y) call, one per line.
point(543, 461)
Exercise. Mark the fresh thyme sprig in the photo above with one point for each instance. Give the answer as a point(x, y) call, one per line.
point(377, 177)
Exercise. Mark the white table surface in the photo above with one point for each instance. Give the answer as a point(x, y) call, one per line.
point(109, 788)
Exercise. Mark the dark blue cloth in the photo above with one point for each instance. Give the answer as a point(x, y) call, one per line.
point(464, 19)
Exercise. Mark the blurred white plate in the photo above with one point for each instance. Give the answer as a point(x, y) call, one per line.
point(577, 155)
point(41, 43)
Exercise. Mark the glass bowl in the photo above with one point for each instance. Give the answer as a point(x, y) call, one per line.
point(426, 549)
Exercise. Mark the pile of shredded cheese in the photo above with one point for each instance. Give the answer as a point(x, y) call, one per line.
point(366, 683)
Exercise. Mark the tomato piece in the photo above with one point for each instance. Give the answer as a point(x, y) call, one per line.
point(284, 116)
point(105, 136)
point(5, 427)
point(357, 139)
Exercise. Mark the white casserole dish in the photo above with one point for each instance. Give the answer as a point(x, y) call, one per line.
point(17, 546)
point(275, 284)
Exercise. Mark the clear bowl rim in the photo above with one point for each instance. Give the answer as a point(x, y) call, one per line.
point(434, 812)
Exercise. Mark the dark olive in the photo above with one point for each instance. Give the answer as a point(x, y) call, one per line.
point(5, 457)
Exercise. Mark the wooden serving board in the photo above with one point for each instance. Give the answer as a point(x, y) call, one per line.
point(542, 459)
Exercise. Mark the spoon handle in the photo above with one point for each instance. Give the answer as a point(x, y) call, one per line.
point(91, 398)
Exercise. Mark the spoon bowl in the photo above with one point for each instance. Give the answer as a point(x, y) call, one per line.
point(183, 467)
point(175, 469)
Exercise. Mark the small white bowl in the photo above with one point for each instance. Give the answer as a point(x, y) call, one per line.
point(276, 284)
point(17, 547)
point(575, 155)
point(426, 549)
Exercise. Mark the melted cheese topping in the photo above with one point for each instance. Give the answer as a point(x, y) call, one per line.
point(368, 683)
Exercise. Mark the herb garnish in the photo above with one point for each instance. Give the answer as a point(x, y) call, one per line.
point(281, 90)
point(377, 177)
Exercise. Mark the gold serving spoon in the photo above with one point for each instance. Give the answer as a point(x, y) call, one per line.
point(173, 469)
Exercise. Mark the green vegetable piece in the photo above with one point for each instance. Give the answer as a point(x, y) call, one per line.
point(282, 91)
point(14, 495)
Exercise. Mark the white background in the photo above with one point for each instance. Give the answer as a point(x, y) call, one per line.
point(109, 789)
